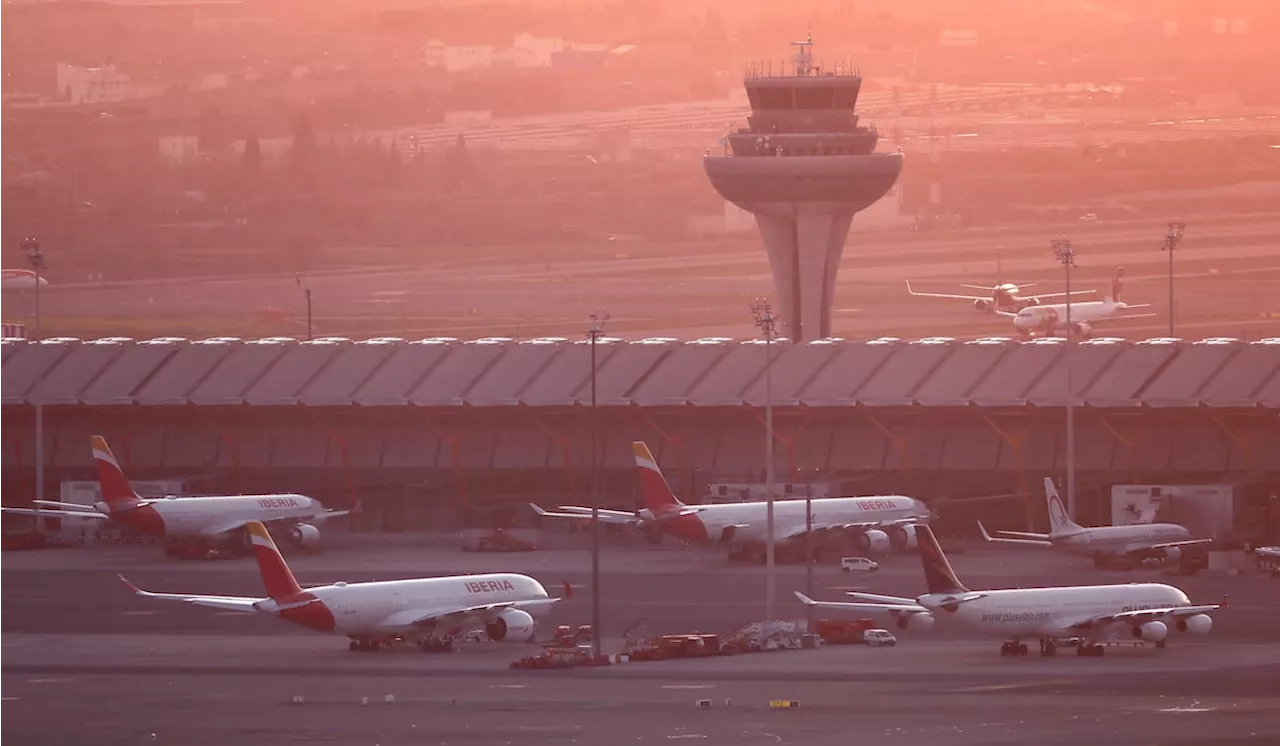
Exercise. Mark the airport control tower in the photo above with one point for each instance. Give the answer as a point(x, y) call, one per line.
point(803, 167)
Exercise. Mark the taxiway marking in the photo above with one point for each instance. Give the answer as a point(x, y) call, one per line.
point(688, 686)
point(139, 613)
point(1008, 687)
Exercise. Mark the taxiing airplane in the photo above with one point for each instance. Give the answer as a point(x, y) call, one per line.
point(1003, 296)
point(373, 614)
point(20, 279)
point(1092, 613)
point(1105, 544)
point(186, 521)
point(876, 524)
point(1048, 320)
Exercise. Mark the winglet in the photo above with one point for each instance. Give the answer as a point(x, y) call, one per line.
point(985, 536)
point(537, 509)
point(568, 590)
point(129, 585)
point(1224, 604)
point(805, 599)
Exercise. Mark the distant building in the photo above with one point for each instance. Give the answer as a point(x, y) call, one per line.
point(526, 51)
point(92, 85)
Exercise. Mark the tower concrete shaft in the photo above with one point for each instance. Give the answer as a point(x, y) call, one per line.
point(804, 167)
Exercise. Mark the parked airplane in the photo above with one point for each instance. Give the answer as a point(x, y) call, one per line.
point(876, 524)
point(1107, 545)
point(1048, 320)
point(1003, 296)
point(20, 279)
point(188, 522)
point(1093, 613)
point(378, 613)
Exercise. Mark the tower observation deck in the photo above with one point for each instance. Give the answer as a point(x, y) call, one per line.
point(803, 166)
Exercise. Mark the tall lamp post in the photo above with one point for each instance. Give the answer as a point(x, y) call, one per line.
point(808, 547)
point(1065, 253)
point(1171, 239)
point(306, 292)
point(35, 257)
point(768, 324)
point(593, 334)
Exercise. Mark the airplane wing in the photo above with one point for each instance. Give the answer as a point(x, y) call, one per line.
point(47, 513)
point(414, 618)
point(1140, 616)
point(1063, 295)
point(1166, 545)
point(227, 603)
point(321, 517)
point(219, 529)
point(945, 295)
point(1127, 316)
point(66, 506)
point(846, 526)
point(573, 511)
point(863, 608)
point(1040, 541)
point(989, 289)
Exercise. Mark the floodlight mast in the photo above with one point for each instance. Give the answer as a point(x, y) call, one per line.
point(1172, 237)
point(1065, 253)
point(594, 331)
point(35, 257)
point(768, 323)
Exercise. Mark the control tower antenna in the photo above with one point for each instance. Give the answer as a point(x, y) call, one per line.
point(804, 55)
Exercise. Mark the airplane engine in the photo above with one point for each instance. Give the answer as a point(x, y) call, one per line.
point(1198, 624)
point(982, 305)
point(1081, 330)
point(874, 541)
point(512, 625)
point(903, 538)
point(653, 532)
point(1172, 554)
point(1030, 302)
point(305, 535)
point(1151, 631)
point(726, 536)
point(916, 622)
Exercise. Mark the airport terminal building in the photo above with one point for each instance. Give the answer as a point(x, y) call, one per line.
point(426, 432)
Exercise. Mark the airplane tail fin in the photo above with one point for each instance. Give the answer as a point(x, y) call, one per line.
point(116, 492)
point(657, 493)
point(1116, 286)
point(938, 575)
point(1059, 522)
point(277, 578)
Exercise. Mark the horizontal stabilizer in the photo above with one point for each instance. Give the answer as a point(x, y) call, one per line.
point(861, 608)
point(53, 513)
point(1040, 542)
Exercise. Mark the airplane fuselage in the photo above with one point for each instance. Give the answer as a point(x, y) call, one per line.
point(1120, 539)
point(205, 516)
point(710, 522)
point(1048, 612)
point(1054, 316)
point(358, 609)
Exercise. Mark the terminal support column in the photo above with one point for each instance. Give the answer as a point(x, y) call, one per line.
point(1131, 443)
point(788, 441)
point(1013, 438)
point(903, 444)
point(1241, 440)
point(455, 460)
point(338, 437)
point(566, 449)
point(233, 446)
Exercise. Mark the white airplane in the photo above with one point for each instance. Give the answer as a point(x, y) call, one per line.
point(1105, 544)
point(877, 524)
point(1003, 296)
point(1048, 320)
point(202, 520)
point(20, 279)
point(377, 613)
point(1093, 613)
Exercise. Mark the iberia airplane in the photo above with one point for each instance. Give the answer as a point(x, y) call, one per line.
point(876, 524)
point(184, 519)
point(20, 279)
point(381, 612)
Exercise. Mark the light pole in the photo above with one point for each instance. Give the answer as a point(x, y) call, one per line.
point(306, 291)
point(1171, 239)
point(593, 334)
point(768, 324)
point(1065, 253)
point(808, 549)
point(35, 257)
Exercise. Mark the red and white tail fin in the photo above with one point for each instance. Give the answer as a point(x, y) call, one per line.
point(657, 493)
point(276, 576)
point(116, 492)
point(1116, 285)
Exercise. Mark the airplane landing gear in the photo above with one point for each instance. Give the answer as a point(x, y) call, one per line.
point(363, 645)
point(1048, 648)
point(435, 645)
point(1013, 647)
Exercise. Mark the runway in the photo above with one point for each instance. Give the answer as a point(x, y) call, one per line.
point(85, 661)
point(1224, 277)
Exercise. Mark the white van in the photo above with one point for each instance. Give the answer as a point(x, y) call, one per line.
point(876, 638)
point(858, 564)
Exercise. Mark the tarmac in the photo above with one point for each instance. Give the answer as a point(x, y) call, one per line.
point(84, 661)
